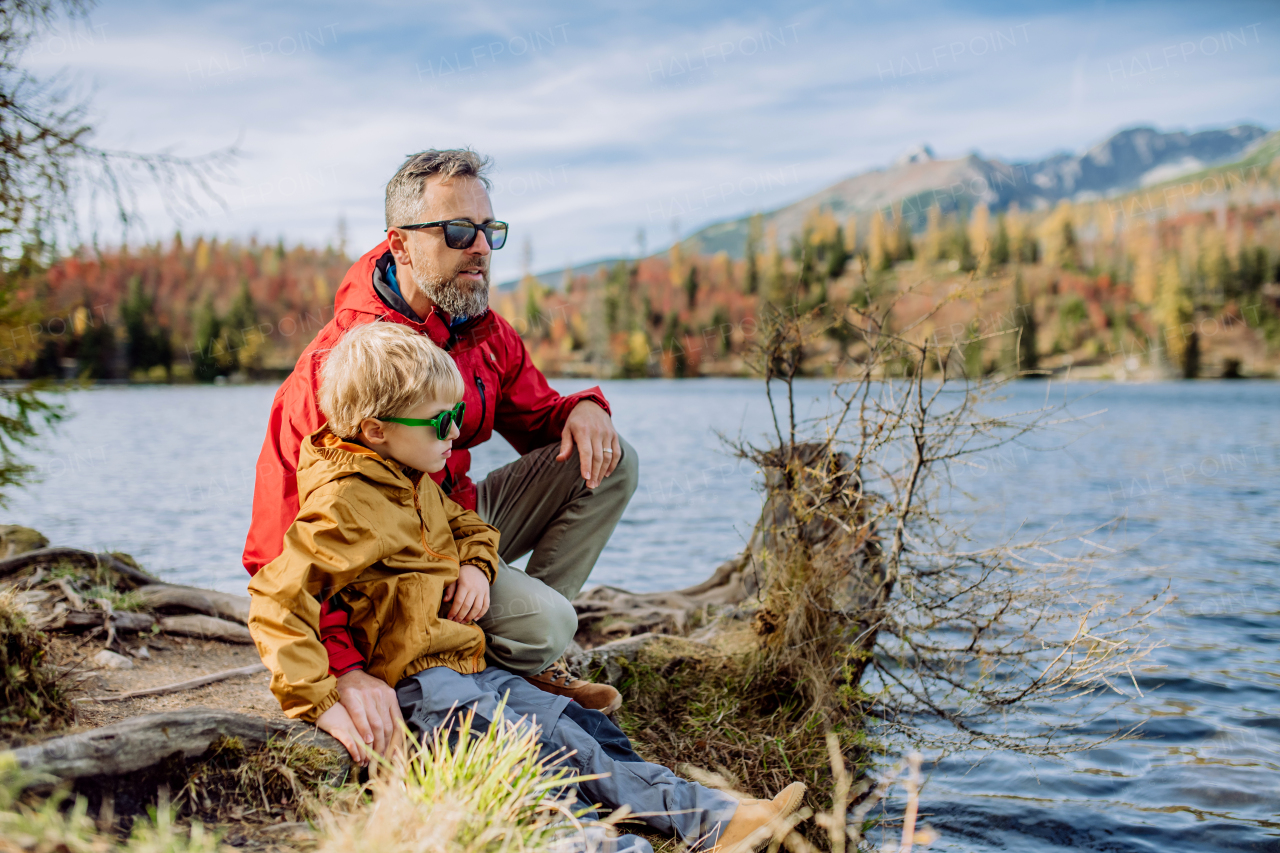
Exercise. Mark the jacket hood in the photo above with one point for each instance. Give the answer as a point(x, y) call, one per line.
point(326, 458)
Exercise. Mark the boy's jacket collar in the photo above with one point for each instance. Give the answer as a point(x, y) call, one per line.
point(326, 458)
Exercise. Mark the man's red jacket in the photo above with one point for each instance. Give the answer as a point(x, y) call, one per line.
point(504, 391)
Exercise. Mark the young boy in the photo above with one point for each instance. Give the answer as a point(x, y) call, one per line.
point(379, 537)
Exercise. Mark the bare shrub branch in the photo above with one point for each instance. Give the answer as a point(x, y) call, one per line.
point(876, 596)
point(49, 164)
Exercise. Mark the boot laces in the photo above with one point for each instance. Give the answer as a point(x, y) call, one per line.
point(558, 673)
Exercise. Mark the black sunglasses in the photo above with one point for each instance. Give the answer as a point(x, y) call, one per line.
point(461, 233)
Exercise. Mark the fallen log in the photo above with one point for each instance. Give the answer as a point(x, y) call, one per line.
point(178, 687)
point(148, 741)
point(190, 625)
point(130, 576)
point(206, 628)
point(222, 605)
point(81, 620)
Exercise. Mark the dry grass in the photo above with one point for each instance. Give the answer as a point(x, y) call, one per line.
point(484, 792)
point(284, 780)
point(725, 712)
point(53, 825)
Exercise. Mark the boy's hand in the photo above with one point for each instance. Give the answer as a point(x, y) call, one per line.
point(337, 722)
point(469, 594)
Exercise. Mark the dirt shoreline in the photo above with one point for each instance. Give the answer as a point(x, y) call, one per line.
point(172, 659)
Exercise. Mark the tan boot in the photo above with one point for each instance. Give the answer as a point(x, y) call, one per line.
point(594, 697)
point(750, 828)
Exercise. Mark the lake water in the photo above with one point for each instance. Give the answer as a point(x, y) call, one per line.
point(166, 475)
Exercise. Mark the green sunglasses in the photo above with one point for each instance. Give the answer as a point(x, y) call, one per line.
point(443, 422)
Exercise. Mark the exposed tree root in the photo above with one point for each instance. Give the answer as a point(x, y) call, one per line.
point(169, 597)
point(139, 743)
point(190, 684)
point(130, 576)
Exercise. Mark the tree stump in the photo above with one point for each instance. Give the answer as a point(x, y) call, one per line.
point(811, 570)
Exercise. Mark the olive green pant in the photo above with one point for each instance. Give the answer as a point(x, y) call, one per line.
point(543, 506)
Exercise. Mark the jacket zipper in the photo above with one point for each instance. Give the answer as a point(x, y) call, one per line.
point(462, 327)
point(484, 407)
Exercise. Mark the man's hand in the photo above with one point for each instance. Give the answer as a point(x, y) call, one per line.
point(591, 428)
point(469, 594)
point(337, 722)
point(369, 705)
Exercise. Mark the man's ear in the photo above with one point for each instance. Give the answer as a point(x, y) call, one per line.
point(398, 243)
point(372, 431)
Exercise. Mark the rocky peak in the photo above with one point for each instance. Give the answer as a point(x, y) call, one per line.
point(922, 153)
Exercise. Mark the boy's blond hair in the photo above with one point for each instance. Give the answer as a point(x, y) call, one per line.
point(381, 370)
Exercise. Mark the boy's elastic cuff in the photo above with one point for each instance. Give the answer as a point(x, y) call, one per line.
point(484, 566)
point(323, 705)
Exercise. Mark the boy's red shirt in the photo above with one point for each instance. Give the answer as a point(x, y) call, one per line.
point(504, 392)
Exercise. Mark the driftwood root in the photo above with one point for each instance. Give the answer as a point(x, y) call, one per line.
point(222, 605)
point(131, 576)
point(607, 613)
point(206, 628)
point(81, 620)
point(140, 743)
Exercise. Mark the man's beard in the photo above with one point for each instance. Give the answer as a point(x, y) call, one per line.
point(457, 297)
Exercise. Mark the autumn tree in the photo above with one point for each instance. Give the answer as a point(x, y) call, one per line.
point(148, 342)
point(1059, 238)
point(616, 315)
point(243, 340)
point(1022, 349)
point(1000, 252)
point(879, 252)
point(208, 360)
point(691, 286)
point(904, 247)
point(1174, 314)
point(931, 249)
point(751, 279)
point(979, 232)
point(48, 165)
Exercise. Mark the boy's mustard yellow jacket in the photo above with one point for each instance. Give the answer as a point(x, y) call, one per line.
point(384, 544)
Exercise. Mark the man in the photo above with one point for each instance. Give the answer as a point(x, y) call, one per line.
point(431, 274)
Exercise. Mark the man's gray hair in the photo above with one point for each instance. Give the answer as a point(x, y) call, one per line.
point(405, 189)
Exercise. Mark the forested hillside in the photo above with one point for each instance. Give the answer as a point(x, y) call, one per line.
point(1173, 279)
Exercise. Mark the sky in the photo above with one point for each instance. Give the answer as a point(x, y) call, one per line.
point(608, 119)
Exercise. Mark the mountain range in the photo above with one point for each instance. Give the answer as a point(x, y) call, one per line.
point(917, 180)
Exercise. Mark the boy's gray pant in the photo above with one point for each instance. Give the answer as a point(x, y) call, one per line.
point(685, 810)
point(544, 506)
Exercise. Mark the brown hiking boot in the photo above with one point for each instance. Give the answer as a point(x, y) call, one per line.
point(595, 697)
point(756, 822)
